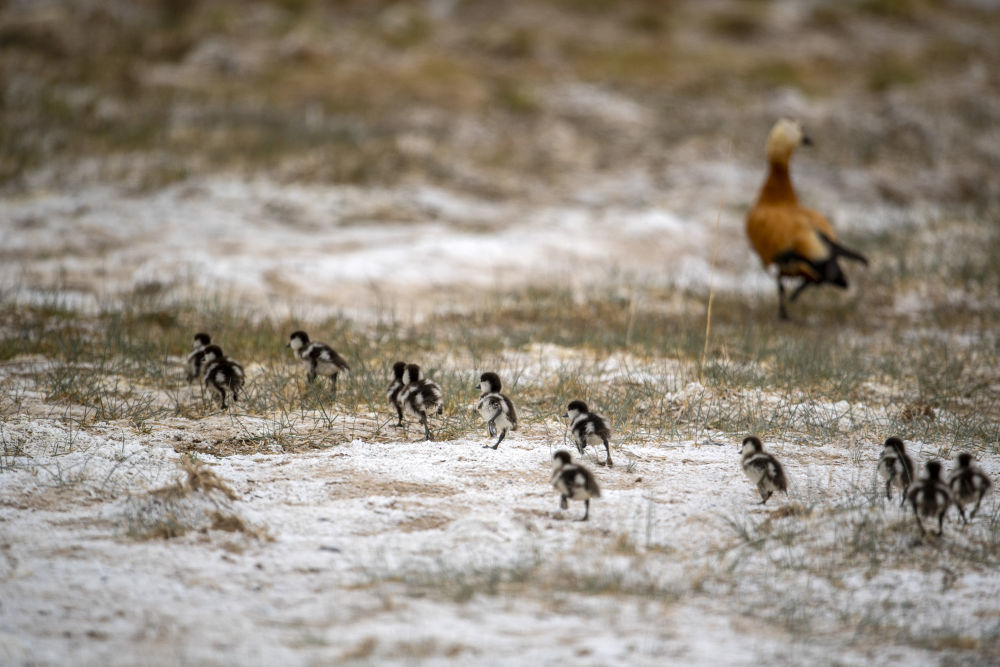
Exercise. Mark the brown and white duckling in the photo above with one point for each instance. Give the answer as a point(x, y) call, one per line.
point(396, 389)
point(929, 496)
point(573, 482)
point(896, 468)
point(762, 468)
point(589, 428)
point(967, 482)
point(495, 407)
point(196, 359)
point(222, 374)
point(420, 396)
point(320, 357)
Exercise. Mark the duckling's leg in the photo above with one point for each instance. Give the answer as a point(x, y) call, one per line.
point(975, 509)
point(427, 430)
point(586, 510)
point(311, 375)
point(491, 425)
point(399, 413)
point(503, 434)
point(563, 502)
point(888, 487)
point(916, 515)
point(961, 512)
point(607, 449)
point(765, 495)
point(941, 520)
point(902, 496)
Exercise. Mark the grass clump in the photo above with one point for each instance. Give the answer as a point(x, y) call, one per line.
point(200, 501)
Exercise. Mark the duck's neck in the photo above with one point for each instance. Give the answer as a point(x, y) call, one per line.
point(778, 186)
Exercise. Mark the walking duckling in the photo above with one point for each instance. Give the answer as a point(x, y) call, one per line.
point(321, 358)
point(929, 497)
point(967, 482)
point(762, 469)
point(495, 407)
point(196, 359)
point(896, 468)
point(573, 482)
point(589, 428)
point(222, 374)
point(396, 389)
point(420, 396)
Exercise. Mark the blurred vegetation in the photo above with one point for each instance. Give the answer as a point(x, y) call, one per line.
point(333, 90)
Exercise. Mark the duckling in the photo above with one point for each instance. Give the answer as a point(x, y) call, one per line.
point(420, 396)
point(589, 428)
point(396, 388)
point(495, 407)
point(222, 374)
point(896, 467)
point(573, 482)
point(798, 240)
point(322, 359)
point(929, 496)
point(762, 469)
point(967, 482)
point(196, 359)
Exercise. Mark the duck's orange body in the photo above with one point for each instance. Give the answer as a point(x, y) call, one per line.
point(798, 240)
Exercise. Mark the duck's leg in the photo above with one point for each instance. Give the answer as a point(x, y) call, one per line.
point(607, 449)
point(782, 311)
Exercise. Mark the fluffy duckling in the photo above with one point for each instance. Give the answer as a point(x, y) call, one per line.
point(929, 496)
point(420, 396)
point(321, 358)
point(196, 359)
point(495, 407)
point(222, 374)
point(762, 469)
point(396, 388)
point(967, 482)
point(573, 482)
point(589, 428)
point(798, 240)
point(896, 468)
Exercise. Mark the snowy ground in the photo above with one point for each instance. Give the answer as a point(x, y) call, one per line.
point(447, 553)
point(319, 247)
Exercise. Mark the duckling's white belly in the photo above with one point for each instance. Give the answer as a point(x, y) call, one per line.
point(327, 368)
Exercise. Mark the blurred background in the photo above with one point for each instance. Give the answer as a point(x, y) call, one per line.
point(354, 138)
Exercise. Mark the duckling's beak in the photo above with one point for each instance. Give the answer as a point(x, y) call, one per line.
point(566, 416)
point(288, 344)
point(806, 140)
